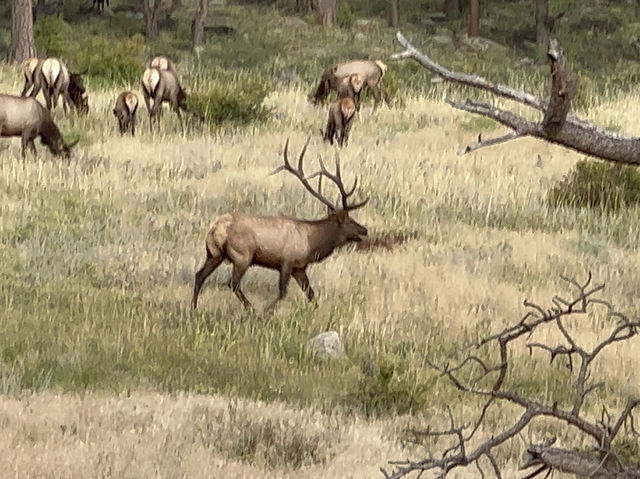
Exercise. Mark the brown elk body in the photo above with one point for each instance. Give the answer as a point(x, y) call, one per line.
point(350, 87)
point(370, 71)
point(53, 78)
point(163, 63)
point(341, 115)
point(161, 86)
point(29, 66)
point(125, 111)
point(285, 244)
point(27, 118)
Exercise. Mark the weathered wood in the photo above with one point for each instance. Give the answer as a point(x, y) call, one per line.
point(557, 126)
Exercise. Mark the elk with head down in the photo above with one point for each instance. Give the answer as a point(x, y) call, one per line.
point(285, 244)
point(125, 112)
point(53, 78)
point(370, 71)
point(160, 86)
point(350, 87)
point(162, 62)
point(341, 115)
point(27, 118)
point(29, 67)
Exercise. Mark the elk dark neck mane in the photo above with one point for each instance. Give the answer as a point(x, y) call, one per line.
point(323, 238)
point(49, 132)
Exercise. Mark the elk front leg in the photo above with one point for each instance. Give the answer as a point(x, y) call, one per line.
point(302, 279)
point(211, 263)
point(285, 276)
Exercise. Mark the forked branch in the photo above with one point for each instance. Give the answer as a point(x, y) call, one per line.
point(486, 379)
point(557, 126)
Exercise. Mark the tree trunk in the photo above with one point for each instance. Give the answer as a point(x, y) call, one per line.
point(198, 23)
point(22, 44)
point(303, 6)
point(542, 22)
point(474, 18)
point(151, 11)
point(327, 12)
point(557, 126)
point(393, 13)
point(451, 9)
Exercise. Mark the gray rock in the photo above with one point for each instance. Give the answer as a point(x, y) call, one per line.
point(326, 346)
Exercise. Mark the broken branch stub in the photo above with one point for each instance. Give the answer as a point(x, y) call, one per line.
point(558, 126)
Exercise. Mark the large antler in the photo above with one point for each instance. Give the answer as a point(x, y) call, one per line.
point(336, 178)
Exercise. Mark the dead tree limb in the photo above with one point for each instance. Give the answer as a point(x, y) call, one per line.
point(487, 379)
point(557, 125)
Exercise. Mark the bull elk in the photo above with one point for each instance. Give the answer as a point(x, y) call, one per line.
point(282, 243)
point(27, 118)
point(370, 71)
point(53, 78)
point(125, 112)
point(341, 115)
point(161, 86)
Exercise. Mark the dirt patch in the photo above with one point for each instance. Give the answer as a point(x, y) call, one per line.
point(387, 241)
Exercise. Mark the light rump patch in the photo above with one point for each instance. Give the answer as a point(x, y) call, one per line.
point(29, 66)
point(51, 70)
point(131, 101)
point(150, 79)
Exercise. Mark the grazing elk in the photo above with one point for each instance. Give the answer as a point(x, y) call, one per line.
point(288, 245)
point(350, 87)
point(125, 111)
point(370, 71)
point(100, 4)
point(29, 66)
point(53, 78)
point(341, 115)
point(163, 63)
point(161, 86)
point(27, 118)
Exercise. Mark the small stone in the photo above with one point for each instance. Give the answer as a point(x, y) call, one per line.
point(326, 346)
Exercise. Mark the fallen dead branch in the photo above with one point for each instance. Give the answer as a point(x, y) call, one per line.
point(557, 126)
point(486, 379)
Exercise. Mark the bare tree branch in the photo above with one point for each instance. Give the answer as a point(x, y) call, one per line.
point(466, 449)
point(557, 125)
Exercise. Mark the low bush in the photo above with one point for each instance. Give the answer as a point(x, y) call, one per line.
point(230, 100)
point(597, 184)
point(112, 62)
point(50, 32)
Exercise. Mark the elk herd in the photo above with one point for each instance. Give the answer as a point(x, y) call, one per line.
point(285, 244)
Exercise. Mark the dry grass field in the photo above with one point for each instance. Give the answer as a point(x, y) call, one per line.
point(107, 373)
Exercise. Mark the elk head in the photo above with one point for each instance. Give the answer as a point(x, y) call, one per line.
point(347, 229)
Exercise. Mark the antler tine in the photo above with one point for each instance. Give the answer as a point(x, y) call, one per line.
point(337, 179)
point(299, 173)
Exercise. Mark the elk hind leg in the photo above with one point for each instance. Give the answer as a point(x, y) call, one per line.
point(302, 279)
point(239, 269)
point(212, 261)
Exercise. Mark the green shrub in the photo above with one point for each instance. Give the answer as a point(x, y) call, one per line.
point(386, 388)
point(597, 184)
point(112, 62)
point(50, 32)
point(227, 100)
point(345, 16)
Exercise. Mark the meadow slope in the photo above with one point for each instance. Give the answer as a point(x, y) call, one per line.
point(99, 253)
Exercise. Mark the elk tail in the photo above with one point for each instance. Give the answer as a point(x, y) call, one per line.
point(382, 66)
